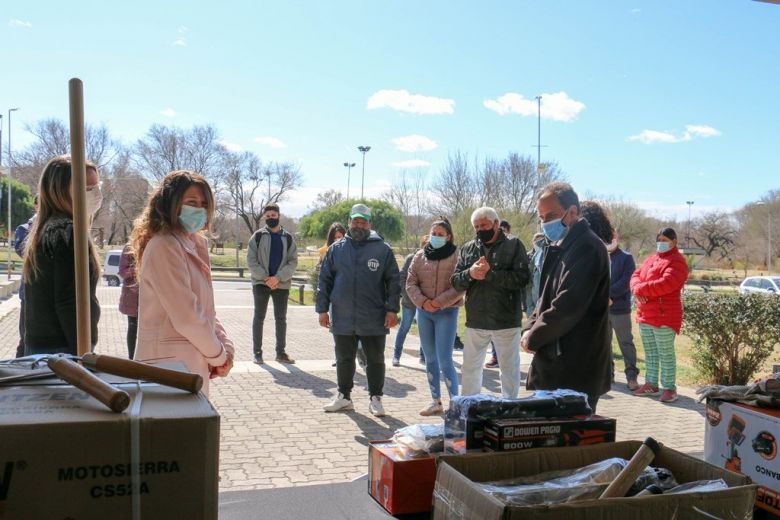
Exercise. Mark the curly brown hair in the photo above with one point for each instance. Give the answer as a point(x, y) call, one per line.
point(598, 219)
point(161, 214)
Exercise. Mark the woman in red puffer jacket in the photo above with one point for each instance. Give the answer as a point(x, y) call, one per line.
point(657, 286)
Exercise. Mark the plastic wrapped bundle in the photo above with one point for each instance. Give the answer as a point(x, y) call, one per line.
point(466, 415)
point(420, 439)
point(557, 487)
point(698, 486)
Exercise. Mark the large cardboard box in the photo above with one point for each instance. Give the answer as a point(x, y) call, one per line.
point(65, 455)
point(745, 439)
point(400, 483)
point(457, 496)
point(515, 434)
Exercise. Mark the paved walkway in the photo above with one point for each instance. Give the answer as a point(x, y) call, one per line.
point(274, 433)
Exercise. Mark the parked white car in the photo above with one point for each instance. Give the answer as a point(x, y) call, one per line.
point(111, 268)
point(760, 285)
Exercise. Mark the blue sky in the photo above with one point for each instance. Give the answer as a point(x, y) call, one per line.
point(652, 102)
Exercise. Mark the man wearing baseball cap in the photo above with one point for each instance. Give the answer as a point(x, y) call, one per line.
point(359, 284)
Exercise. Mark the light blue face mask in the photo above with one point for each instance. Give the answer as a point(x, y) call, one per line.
point(437, 242)
point(192, 219)
point(554, 230)
point(663, 247)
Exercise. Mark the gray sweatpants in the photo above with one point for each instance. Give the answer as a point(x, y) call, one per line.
point(621, 327)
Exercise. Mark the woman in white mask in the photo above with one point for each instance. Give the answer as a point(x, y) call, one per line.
point(176, 315)
point(49, 265)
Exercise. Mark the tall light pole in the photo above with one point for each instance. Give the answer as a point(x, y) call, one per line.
point(688, 235)
point(1, 157)
point(363, 150)
point(10, 165)
point(349, 166)
point(268, 173)
point(538, 133)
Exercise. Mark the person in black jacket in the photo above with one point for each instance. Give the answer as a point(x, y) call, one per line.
point(359, 285)
point(492, 269)
point(49, 265)
point(569, 332)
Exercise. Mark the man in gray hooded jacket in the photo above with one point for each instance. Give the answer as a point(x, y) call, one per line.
point(359, 285)
point(272, 257)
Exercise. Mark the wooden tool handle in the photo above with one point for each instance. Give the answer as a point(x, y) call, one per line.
point(623, 482)
point(82, 378)
point(135, 370)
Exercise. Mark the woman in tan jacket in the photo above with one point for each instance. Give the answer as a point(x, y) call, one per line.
point(428, 285)
point(176, 315)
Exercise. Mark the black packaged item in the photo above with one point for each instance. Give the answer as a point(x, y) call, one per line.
point(661, 477)
point(463, 423)
point(420, 439)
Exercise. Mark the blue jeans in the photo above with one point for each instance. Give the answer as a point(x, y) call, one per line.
point(407, 317)
point(437, 335)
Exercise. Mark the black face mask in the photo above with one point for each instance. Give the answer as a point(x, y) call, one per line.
point(272, 222)
point(486, 235)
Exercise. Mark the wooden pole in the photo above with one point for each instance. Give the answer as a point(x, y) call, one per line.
point(80, 219)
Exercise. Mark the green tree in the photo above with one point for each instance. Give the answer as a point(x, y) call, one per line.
point(386, 220)
point(733, 334)
point(22, 207)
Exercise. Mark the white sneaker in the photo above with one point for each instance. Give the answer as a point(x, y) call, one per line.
point(375, 406)
point(339, 404)
point(435, 408)
point(396, 362)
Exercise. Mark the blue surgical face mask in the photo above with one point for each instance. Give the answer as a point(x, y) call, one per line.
point(437, 242)
point(663, 247)
point(192, 219)
point(554, 230)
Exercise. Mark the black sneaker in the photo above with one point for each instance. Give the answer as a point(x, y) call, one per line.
point(258, 360)
point(493, 363)
point(284, 358)
point(458, 345)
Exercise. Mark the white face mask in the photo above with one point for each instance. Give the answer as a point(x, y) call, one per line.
point(94, 200)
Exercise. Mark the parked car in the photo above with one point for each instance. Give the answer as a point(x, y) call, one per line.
point(760, 285)
point(111, 268)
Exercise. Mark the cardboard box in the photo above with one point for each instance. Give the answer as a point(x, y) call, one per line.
point(514, 434)
point(400, 484)
point(457, 496)
point(746, 439)
point(65, 455)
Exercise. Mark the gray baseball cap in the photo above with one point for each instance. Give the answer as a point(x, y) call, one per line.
point(360, 211)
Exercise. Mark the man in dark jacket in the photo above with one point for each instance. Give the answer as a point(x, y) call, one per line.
point(272, 257)
point(569, 332)
point(492, 269)
point(359, 285)
point(623, 267)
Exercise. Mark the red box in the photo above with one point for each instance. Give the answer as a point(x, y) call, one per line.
point(400, 484)
point(518, 434)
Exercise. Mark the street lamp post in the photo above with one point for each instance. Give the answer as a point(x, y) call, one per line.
point(349, 167)
point(10, 165)
point(688, 235)
point(1, 157)
point(363, 150)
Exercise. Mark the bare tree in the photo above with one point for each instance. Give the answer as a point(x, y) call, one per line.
point(52, 138)
point(715, 232)
point(408, 194)
point(250, 185)
point(326, 199)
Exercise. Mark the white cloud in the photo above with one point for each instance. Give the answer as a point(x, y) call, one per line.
point(412, 163)
point(691, 131)
point(635, 11)
point(231, 147)
point(180, 42)
point(273, 142)
point(679, 211)
point(168, 112)
point(19, 23)
point(415, 143)
point(404, 101)
point(556, 107)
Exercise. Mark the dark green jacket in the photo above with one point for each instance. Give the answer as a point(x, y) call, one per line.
point(496, 302)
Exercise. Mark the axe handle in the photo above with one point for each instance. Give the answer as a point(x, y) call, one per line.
point(117, 400)
point(625, 479)
point(136, 370)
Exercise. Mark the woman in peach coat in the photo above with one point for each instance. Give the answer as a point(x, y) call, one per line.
point(176, 316)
